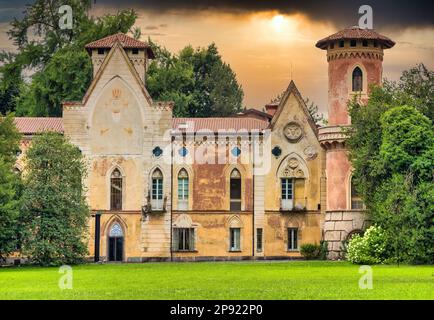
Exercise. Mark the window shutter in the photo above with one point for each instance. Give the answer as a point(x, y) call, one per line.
point(191, 239)
point(298, 238)
point(175, 239)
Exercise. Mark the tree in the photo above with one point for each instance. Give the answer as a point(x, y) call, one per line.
point(49, 42)
point(10, 82)
point(10, 189)
point(197, 80)
point(65, 78)
point(392, 152)
point(54, 206)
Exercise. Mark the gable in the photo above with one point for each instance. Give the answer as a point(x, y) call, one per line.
point(117, 63)
point(292, 105)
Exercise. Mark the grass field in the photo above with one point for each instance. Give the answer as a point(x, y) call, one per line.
point(219, 280)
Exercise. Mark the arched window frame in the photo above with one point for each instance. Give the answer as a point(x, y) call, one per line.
point(157, 189)
point(292, 170)
point(183, 189)
point(116, 189)
point(235, 196)
point(113, 237)
point(355, 201)
point(235, 234)
point(357, 79)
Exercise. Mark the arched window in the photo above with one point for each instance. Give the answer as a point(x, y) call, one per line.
point(357, 80)
point(116, 243)
point(116, 190)
point(182, 190)
point(235, 191)
point(235, 226)
point(356, 200)
point(157, 190)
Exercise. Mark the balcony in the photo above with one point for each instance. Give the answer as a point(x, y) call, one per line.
point(292, 205)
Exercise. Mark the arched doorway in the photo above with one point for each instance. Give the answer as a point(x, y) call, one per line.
point(116, 243)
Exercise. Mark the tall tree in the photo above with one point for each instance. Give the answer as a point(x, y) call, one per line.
point(54, 212)
point(197, 80)
point(392, 152)
point(66, 77)
point(10, 188)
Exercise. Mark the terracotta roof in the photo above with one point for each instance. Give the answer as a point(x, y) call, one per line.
point(216, 124)
point(32, 125)
point(254, 113)
point(124, 40)
point(356, 33)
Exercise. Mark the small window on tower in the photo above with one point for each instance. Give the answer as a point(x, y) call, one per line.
point(365, 43)
point(100, 51)
point(375, 43)
point(357, 80)
point(135, 51)
point(353, 43)
point(332, 45)
point(341, 43)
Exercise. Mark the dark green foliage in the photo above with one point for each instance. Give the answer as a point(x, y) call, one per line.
point(65, 78)
point(10, 187)
point(391, 145)
point(406, 211)
point(309, 250)
point(54, 210)
point(10, 82)
point(312, 251)
point(197, 80)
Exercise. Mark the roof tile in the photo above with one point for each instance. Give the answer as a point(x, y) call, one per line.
point(355, 33)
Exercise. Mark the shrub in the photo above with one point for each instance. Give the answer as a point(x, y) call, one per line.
point(310, 251)
point(323, 250)
point(369, 248)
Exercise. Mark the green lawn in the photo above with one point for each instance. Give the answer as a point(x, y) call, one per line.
point(219, 280)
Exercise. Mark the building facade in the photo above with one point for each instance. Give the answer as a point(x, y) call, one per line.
point(255, 185)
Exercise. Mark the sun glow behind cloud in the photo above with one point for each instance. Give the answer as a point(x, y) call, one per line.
point(265, 48)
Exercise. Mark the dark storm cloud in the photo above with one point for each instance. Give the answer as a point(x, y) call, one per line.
point(400, 13)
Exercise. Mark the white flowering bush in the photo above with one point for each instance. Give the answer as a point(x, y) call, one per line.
point(369, 248)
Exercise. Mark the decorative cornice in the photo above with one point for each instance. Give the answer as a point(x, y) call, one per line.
point(355, 54)
point(332, 137)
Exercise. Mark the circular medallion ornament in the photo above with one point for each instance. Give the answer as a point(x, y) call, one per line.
point(293, 132)
point(310, 152)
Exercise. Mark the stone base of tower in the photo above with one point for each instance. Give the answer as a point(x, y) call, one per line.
point(339, 226)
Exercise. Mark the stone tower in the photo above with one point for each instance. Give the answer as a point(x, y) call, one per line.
point(355, 59)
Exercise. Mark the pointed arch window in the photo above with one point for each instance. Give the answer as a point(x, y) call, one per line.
point(182, 190)
point(235, 190)
point(356, 199)
point(116, 190)
point(157, 190)
point(357, 80)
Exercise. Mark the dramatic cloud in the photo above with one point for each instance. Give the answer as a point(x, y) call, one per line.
point(398, 13)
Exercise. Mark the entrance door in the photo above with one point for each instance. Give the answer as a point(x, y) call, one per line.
point(116, 243)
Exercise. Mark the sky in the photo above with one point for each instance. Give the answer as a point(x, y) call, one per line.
point(269, 43)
